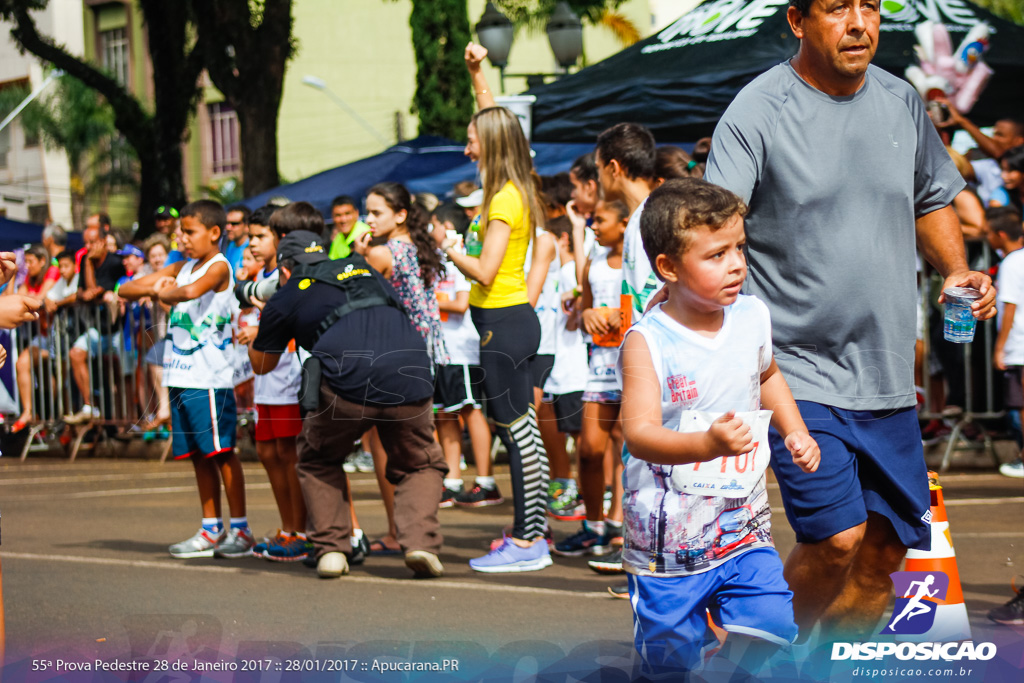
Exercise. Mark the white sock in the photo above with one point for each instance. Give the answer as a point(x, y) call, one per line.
point(596, 527)
point(485, 483)
point(239, 522)
point(211, 524)
point(453, 484)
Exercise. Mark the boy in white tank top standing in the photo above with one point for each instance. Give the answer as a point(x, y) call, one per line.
point(699, 387)
point(198, 372)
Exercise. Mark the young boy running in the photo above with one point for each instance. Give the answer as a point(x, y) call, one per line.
point(278, 421)
point(198, 373)
point(699, 383)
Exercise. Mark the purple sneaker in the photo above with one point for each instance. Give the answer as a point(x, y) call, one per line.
point(509, 557)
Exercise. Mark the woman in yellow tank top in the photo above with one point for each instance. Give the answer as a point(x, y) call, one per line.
point(508, 326)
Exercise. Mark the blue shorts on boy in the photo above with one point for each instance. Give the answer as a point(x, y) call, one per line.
point(882, 448)
point(712, 551)
point(202, 422)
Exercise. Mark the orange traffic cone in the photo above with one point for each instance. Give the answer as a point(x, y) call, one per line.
point(951, 622)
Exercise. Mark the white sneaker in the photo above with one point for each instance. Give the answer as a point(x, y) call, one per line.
point(86, 414)
point(1012, 469)
point(332, 565)
point(424, 564)
point(200, 545)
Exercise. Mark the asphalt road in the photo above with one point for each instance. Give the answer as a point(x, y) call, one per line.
point(86, 577)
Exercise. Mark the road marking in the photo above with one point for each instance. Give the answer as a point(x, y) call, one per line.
point(179, 566)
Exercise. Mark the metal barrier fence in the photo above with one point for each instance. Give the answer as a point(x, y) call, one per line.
point(112, 341)
point(103, 344)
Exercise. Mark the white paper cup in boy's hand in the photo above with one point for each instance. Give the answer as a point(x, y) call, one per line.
point(958, 321)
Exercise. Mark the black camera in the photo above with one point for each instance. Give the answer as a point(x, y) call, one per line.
point(248, 291)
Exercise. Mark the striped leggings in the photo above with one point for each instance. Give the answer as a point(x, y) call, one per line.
point(509, 337)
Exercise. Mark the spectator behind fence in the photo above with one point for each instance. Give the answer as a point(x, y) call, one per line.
point(100, 271)
point(36, 285)
point(236, 236)
point(347, 227)
point(199, 374)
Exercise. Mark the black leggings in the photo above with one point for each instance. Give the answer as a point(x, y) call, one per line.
point(509, 337)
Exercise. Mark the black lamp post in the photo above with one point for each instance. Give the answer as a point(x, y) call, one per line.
point(565, 34)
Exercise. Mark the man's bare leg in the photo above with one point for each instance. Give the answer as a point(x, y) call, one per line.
point(860, 604)
point(817, 573)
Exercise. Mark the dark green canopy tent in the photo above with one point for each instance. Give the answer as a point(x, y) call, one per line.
point(679, 81)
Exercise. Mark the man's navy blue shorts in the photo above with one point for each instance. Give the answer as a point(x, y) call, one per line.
point(203, 422)
point(870, 460)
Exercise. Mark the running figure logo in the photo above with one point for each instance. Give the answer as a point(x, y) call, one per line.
point(916, 593)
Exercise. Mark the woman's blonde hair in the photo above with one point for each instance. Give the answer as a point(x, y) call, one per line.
point(505, 157)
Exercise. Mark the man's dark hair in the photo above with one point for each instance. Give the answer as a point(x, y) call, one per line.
point(630, 144)
point(261, 216)
point(66, 255)
point(104, 220)
point(1007, 220)
point(450, 212)
point(677, 208)
point(345, 200)
point(556, 190)
point(207, 211)
point(585, 169)
point(246, 212)
point(296, 216)
point(558, 226)
point(802, 6)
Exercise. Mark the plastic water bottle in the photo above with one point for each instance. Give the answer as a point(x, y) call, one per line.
point(473, 243)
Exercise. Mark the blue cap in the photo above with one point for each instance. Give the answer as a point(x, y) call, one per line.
point(131, 250)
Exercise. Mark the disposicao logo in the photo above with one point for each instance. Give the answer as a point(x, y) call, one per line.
point(916, 593)
point(914, 615)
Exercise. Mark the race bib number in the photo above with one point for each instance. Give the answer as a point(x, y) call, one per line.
point(730, 476)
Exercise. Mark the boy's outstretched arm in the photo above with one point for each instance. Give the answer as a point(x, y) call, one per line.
point(214, 280)
point(143, 287)
point(645, 436)
point(776, 396)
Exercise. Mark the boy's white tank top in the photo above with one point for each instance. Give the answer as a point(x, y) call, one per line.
point(200, 351)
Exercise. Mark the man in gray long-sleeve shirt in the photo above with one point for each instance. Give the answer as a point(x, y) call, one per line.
point(844, 174)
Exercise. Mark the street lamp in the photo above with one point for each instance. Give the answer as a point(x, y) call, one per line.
point(565, 34)
point(321, 85)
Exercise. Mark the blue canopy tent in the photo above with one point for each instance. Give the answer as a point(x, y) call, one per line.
point(426, 164)
point(401, 163)
point(16, 234)
point(549, 158)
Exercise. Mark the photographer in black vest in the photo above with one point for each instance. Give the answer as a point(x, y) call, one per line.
point(374, 370)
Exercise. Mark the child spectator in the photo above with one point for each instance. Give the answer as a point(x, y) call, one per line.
point(601, 316)
point(696, 371)
point(409, 258)
point(561, 411)
point(38, 286)
point(457, 385)
point(99, 273)
point(278, 420)
point(1007, 236)
point(157, 248)
point(198, 372)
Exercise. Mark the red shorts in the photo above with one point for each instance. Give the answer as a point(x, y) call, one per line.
point(277, 422)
